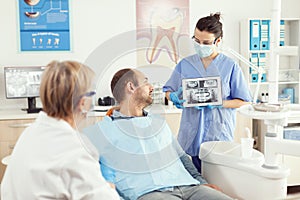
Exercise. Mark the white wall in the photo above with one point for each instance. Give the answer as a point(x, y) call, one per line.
point(233, 11)
point(95, 21)
point(92, 22)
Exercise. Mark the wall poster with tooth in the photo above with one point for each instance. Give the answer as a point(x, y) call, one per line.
point(162, 38)
point(44, 25)
point(162, 28)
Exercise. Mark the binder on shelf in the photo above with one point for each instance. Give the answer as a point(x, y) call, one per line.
point(264, 77)
point(254, 78)
point(291, 93)
point(265, 35)
point(262, 60)
point(282, 33)
point(254, 61)
point(254, 34)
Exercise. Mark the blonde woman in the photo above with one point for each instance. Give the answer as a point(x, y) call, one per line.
point(51, 159)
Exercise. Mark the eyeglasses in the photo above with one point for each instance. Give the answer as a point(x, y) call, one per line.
point(205, 42)
point(89, 94)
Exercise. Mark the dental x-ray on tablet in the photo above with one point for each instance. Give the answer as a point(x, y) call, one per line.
point(202, 91)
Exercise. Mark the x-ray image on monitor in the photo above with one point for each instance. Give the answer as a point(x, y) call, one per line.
point(23, 82)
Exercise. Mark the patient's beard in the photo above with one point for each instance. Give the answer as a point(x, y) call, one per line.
point(142, 99)
point(145, 99)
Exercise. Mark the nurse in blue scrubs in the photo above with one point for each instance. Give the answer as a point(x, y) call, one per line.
point(202, 124)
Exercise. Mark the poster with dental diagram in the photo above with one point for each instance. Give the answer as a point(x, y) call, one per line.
point(44, 25)
point(162, 31)
point(202, 91)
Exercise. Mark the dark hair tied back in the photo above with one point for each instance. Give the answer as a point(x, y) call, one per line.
point(211, 24)
point(216, 15)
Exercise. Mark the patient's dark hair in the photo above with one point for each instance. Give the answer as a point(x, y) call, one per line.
point(119, 82)
point(211, 24)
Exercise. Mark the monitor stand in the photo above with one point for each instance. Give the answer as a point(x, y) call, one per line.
point(32, 105)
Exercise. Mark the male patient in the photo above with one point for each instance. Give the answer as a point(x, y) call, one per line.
point(138, 152)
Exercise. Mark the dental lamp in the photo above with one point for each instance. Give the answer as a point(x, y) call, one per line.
point(259, 70)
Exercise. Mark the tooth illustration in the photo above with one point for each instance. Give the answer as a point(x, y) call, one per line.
point(32, 14)
point(160, 34)
point(166, 27)
point(56, 41)
point(32, 2)
point(49, 41)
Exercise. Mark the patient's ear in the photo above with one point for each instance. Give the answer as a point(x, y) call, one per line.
point(130, 87)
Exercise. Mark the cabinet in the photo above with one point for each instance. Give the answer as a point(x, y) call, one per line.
point(255, 46)
point(10, 130)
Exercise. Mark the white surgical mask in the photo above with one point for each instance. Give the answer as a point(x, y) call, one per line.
point(203, 50)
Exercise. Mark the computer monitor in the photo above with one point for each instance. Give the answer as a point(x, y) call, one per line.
point(24, 82)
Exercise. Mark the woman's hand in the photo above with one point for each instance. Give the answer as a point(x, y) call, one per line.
point(174, 97)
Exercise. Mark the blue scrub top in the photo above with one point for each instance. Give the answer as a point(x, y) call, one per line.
point(198, 126)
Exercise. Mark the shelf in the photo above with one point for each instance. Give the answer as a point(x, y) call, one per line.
point(279, 83)
point(281, 50)
point(288, 82)
point(259, 51)
point(287, 51)
point(261, 83)
point(288, 69)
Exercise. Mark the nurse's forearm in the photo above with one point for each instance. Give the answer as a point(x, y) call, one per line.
point(234, 103)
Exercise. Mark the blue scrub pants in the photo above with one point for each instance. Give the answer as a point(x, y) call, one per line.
point(197, 162)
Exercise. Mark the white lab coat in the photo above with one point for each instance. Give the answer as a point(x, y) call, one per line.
point(53, 161)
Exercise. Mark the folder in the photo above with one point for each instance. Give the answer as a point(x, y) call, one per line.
point(265, 35)
point(291, 92)
point(262, 60)
point(254, 78)
point(282, 33)
point(254, 61)
point(263, 77)
point(254, 34)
